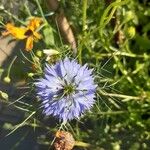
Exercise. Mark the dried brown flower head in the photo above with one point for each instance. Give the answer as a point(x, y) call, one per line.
point(64, 141)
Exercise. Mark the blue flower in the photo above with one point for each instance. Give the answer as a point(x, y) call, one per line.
point(67, 89)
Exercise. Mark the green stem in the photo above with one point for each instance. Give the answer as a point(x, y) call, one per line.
point(84, 15)
point(84, 12)
point(2, 23)
point(82, 144)
point(21, 124)
point(9, 68)
point(27, 8)
point(118, 95)
point(80, 53)
point(61, 41)
point(37, 62)
point(113, 5)
point(40, 8)
point(119, 53)
point(15, 17)
point(118, 112)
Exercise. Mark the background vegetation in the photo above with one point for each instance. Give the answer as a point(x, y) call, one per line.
point(114, 38)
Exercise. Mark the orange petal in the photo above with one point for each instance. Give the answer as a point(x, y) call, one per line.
point(16, 32)
point(29, 43)
point(34, 23)
point(19, 33)
point(9, 28)
point(5, 33)
point(37, 36)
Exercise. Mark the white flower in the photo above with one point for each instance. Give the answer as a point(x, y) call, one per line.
point(49, 53)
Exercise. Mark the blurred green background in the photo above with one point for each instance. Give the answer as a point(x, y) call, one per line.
point(113, 37)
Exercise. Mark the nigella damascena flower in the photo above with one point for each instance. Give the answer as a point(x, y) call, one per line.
point(67, 89)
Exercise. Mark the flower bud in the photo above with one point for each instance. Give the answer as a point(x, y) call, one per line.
point(2, 7)
point(7, 79)
point(130, 32)
point(128, 16)
point(39, 53)
point(30, 74)
point(4, 95)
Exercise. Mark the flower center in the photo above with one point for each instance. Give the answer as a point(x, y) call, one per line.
point(68, 89)
point(29, 32)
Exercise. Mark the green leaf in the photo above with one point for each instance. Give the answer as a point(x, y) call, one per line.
point(144, 42)
point(48, 35)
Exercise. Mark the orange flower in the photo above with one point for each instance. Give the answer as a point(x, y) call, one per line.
point(29, 33)
point(16, 32)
